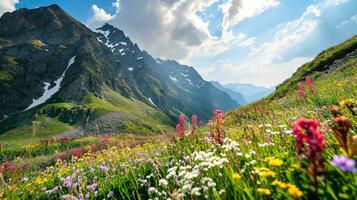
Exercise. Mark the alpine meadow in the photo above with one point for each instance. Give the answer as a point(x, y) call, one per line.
point(265, 108)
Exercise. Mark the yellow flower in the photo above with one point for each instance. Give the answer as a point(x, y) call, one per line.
point(267, 159)
point(236, 176)
point(275, 162)
point(264, 191)
point(347, 102)
point(295, 165)
point(39, 180)
point(295, 191)
point(267, 173)
point(280, 184)
point(2, 193)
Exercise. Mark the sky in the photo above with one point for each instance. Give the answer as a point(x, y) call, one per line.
point(248, 41)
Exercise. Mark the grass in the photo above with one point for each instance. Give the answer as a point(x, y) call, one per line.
point(43, 127)
point(256, 160)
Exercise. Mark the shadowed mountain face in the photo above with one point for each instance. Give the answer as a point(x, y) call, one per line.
point(47, 57)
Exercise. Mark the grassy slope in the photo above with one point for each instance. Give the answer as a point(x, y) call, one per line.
point(45, 126)
point(250, 126)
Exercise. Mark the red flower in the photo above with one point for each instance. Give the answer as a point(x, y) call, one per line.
point(94, 148)
point(25, 166)
point(77, 152)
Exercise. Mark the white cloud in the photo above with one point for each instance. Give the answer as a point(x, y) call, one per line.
point(172, 29)
point(335, 2)
point(7, 6)
point(99, 17)
point(165, 28)
point(264, 65)
point(351, 21)
point(236, 10)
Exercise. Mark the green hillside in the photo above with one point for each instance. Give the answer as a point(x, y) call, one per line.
point(249, 154)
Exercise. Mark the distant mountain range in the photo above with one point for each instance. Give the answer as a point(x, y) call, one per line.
point(250, 92)
point(244, 93)
point(54, 67)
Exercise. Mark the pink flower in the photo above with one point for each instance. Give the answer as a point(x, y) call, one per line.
point(194, 121)
point(180, 128)
point(301, 90)
point(310, 143)
point(310, 84)
point(310, 140)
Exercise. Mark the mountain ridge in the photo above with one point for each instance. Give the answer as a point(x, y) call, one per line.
point(36, 49)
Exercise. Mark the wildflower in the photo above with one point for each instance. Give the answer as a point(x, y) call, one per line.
point(110, 194)
point(216, 126)
point(104, 168)
point(295, 191)
point(275, 162)
point(343, 163)
point(236, 176)
point(163, 182)
point(310, 143)
point(24, 167)
point(267, 173)
point(301, 90)
point(92, 187)
point(77, 153)
point(194, 120)
point(152, 190)
point(69, 197)
point(341, 129)
point(180, 127)
point(280, 184)
point(350, 104)
point(310, 84)
point(264, 191)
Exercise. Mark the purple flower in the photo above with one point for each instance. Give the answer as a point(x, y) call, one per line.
point(343, 163)
point(104, 168)
point(68, 183)
point(110, 194)
point(92, 187)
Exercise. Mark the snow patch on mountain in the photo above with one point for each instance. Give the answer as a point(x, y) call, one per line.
point(173, 78)
point(50, 92)
point(152, 102)
point(105, 33)
point(123, 43)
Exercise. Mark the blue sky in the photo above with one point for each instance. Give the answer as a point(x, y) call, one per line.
point(252, 41)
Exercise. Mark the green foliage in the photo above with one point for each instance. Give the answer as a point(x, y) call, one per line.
point(316, 66)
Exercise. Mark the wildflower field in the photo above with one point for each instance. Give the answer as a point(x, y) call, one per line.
point(295, 144)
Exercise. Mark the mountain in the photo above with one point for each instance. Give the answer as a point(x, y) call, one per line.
point(250, 92)
point(57, 72)
point(238, 97)
point(171, 87)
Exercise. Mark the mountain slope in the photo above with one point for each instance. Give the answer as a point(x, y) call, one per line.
point(36, 48)
point(324, 62)
point(170, 86)
point(238, 97)
point(56, 69)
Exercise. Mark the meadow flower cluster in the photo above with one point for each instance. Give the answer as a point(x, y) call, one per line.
point(266, 150)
